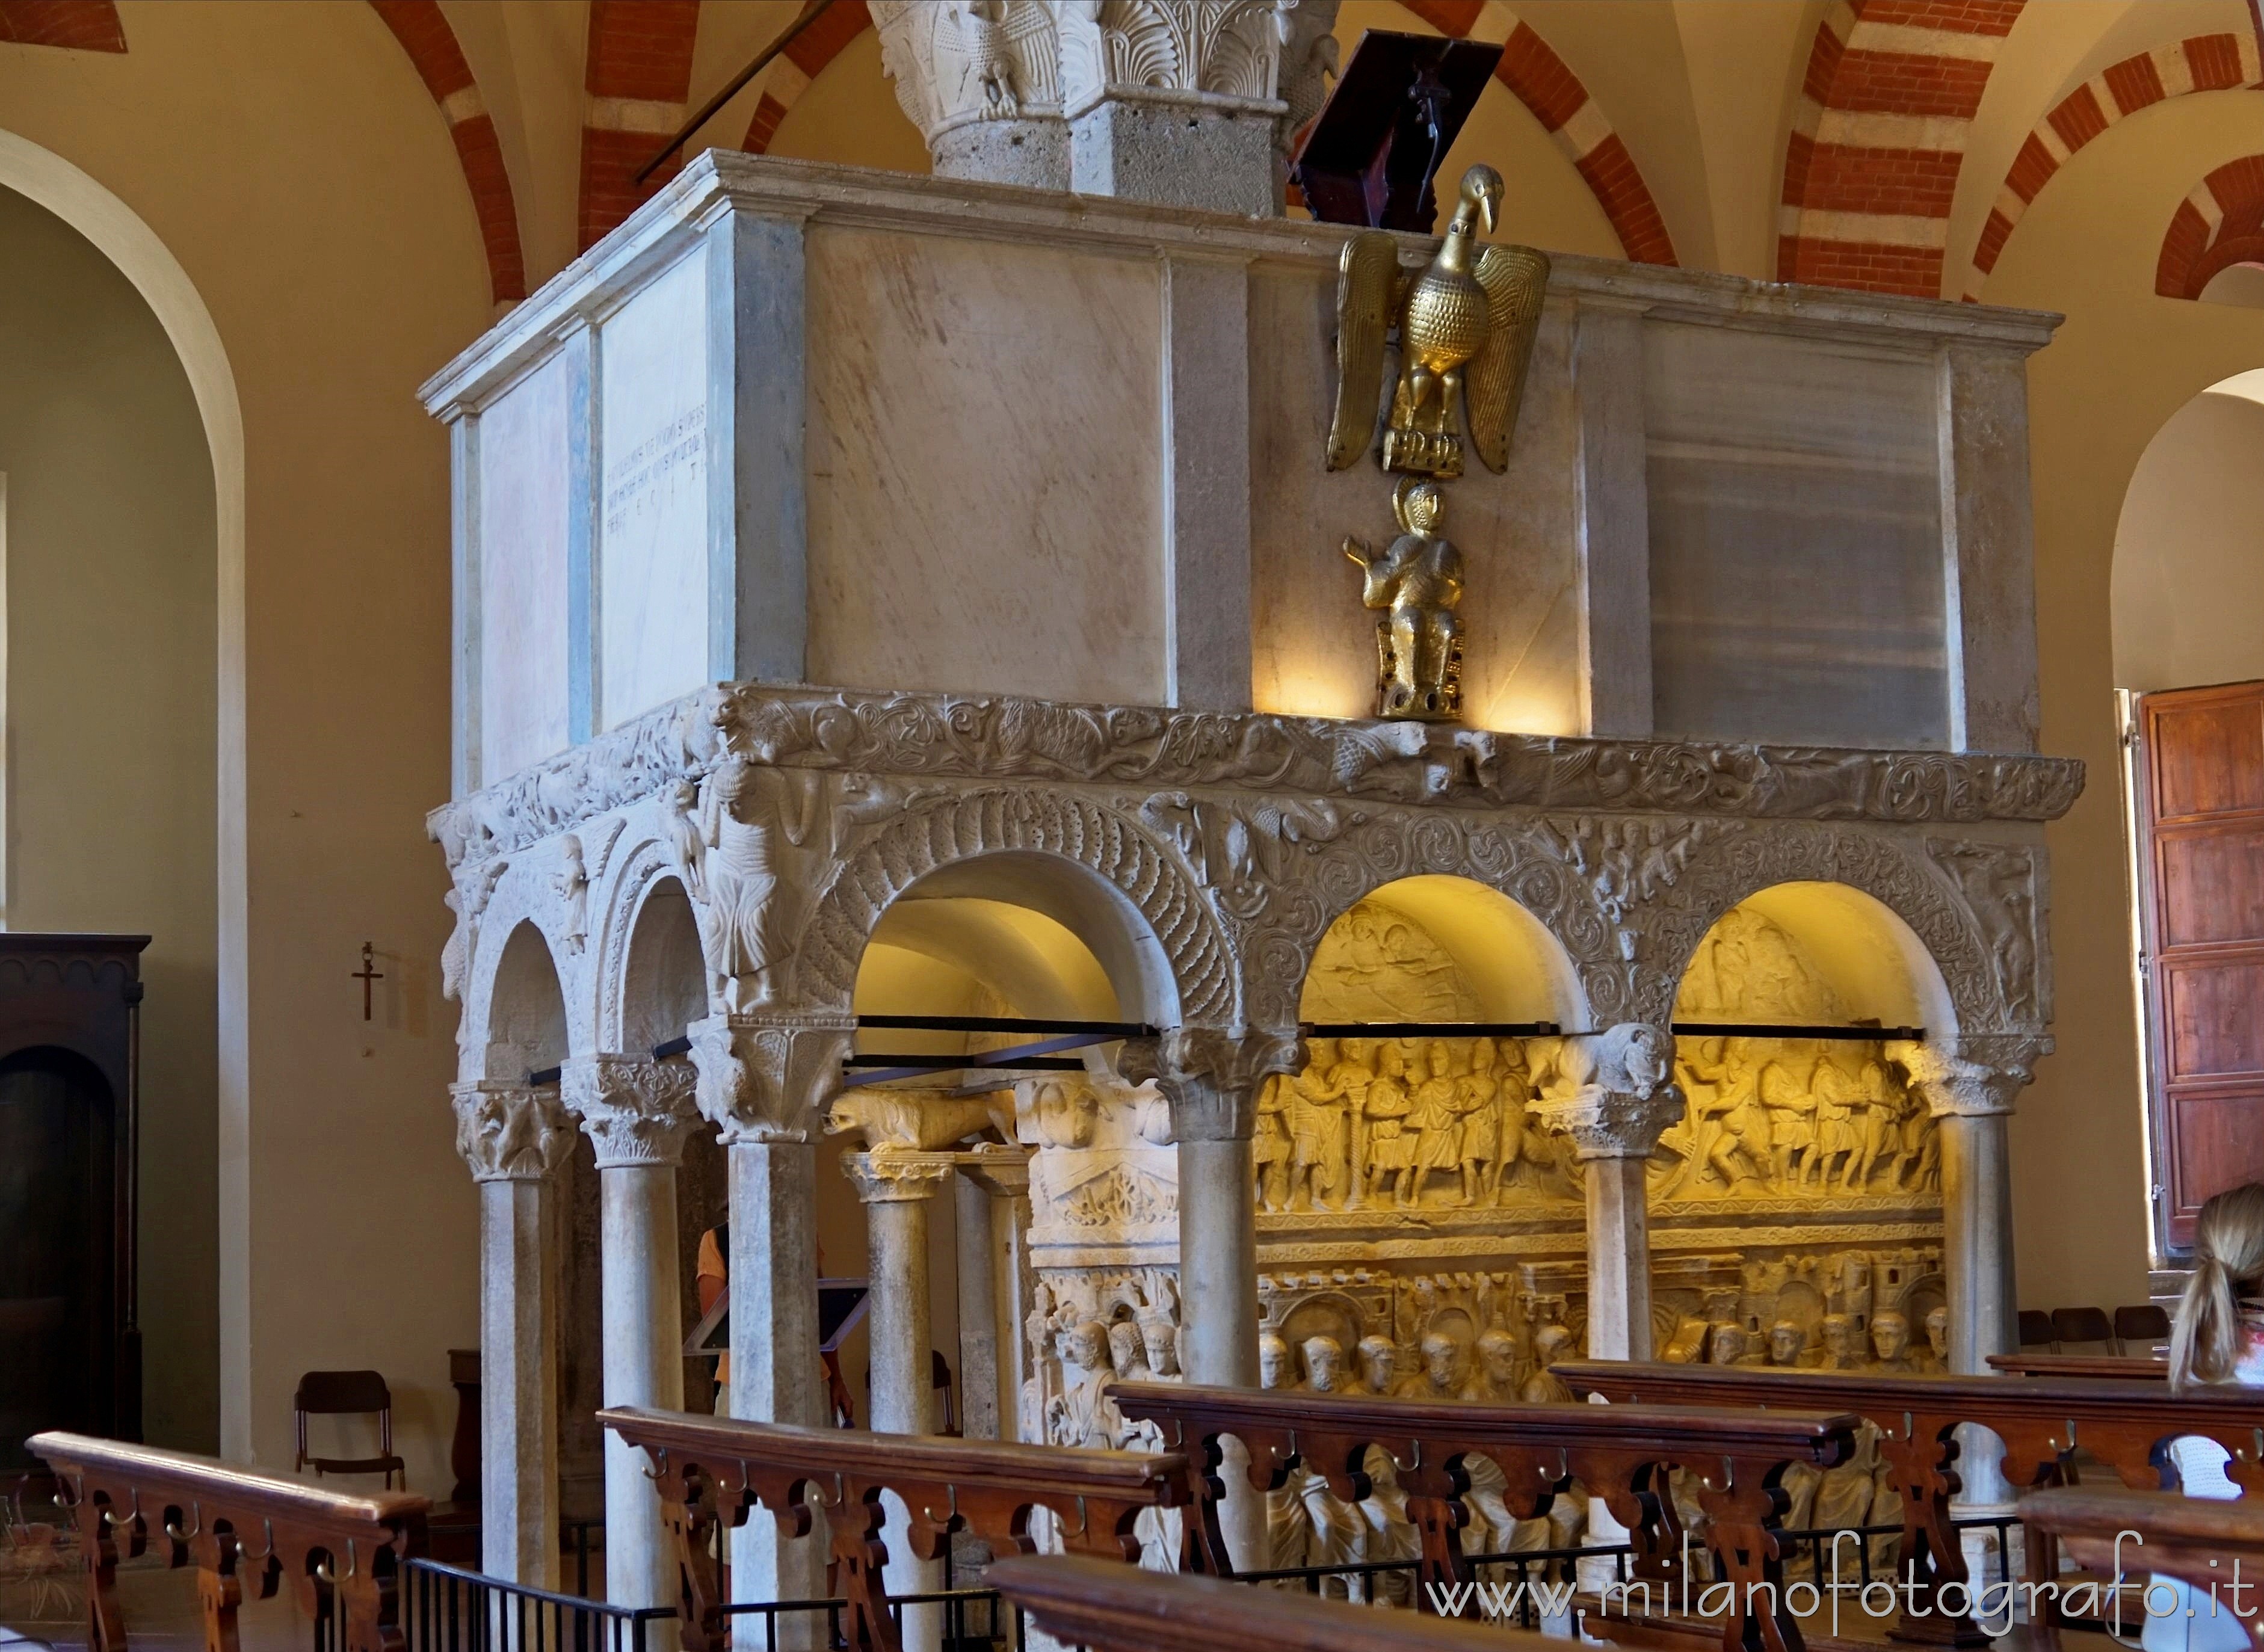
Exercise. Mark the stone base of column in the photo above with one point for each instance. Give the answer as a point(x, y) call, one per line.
point(1178, 154)
point(1032, 153)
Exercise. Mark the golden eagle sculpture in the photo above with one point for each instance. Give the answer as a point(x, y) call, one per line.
point(1464, 326)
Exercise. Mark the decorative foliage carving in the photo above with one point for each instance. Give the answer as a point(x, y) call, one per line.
point(762, 1081)
point(1212, 1076)
point(1245, 849)
point(1228, 48)
point(510, 1132)
point(954, 62)
point(1612, 1095)
point(990, 739)
point(636, 1112)
point(1973, 1077)
point(886, 860)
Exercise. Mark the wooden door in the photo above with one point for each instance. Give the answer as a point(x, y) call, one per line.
point(2201, 813)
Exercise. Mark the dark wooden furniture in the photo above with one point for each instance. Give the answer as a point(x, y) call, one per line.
point(70, 1346)
point(2144, 1324)
point(464, 1444)
point(347, 1393)
point(2036, 1328)
point(2043, 1422)
point(2081, 1325)
point(2194, 1539)
point(2122, 1367)
point(712, 1468)
point(225, 1521)
point(2199, 793)
point(1623, 1453)
point(1106, 1608)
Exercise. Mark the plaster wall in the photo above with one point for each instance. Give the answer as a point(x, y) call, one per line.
point(109, 612)
point(297, 170)
point(2188, 605)
point(2122, 366)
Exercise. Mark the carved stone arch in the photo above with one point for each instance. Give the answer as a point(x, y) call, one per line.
point(888, 859)
point(525, 894)
point(1742, 861)
point(1523, 860)
point(640, 863)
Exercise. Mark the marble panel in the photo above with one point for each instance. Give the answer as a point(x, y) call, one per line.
point(1314, 645)
point(986, 468)
point(1797, 573)
point(652, 538)
point(524, 496)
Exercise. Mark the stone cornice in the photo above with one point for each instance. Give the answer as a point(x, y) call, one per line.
point(990, 739)
point(665, 227)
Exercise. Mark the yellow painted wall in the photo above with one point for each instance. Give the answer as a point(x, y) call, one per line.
point(111, 591)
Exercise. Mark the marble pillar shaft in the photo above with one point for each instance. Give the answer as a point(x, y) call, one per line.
point(776, 1373)
point(640, 1311)
point(519, 1382)
point(981, 1388)
point(1218, 1312)
point(1618, 1260)
point(1977, 1265)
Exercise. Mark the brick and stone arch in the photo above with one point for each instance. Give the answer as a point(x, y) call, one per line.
point(424, 32)
point(2206, 63)
point(1878, 136)
point(2218, 224)
point(76, 26)
point(637, 83)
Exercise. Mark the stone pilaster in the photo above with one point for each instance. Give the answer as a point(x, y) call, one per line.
point(638, 1114)
point(1620, 1100)
point(515, 1138)
point(762, 1082)
point(995, 1205)
point(1211, 1077)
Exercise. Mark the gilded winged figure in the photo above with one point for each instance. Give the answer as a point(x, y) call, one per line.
point(1464, 327)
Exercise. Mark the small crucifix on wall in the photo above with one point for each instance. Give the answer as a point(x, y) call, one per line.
point(369, 976)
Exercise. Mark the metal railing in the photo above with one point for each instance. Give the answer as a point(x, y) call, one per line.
point(449, 1609)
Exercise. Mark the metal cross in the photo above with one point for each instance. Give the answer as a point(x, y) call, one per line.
point(368, 975)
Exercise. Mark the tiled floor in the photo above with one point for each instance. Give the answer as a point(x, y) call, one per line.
point(162, 1615)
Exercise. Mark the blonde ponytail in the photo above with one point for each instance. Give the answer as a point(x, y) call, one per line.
point(2206, 1341)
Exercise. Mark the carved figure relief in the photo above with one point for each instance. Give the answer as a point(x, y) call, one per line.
point(1417, 580)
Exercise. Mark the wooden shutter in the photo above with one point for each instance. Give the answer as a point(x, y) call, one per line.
point(2201, 814)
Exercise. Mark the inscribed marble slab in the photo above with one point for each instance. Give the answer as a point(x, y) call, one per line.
point(985, 483)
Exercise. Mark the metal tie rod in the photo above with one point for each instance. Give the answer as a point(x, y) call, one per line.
point(1006, 1024)
point(1442, 1029)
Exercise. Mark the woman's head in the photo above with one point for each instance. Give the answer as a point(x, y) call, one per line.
point(2206, 1342)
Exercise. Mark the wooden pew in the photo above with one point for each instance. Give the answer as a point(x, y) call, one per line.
point(225, 1521)
point(2192, 1538)
point(1622, 1453)
point(711, 1468)
point(2043, 1422)
point(1106, 1608)
point(2128, 1367)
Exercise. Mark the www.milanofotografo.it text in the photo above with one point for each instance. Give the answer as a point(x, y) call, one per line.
point(2093, 1597)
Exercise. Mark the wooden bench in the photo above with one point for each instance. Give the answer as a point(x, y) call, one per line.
point(1103, 1608)
point(2043, 1422)
point(712, 1468)
point(2194, 1539)
point(225, 1521)
point(2127, 1367)
point(1622, 1453)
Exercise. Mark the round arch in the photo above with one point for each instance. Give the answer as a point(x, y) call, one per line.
point(1478, 955)
point(1890, 903)
point(2186, 606)
point(523, 1027)
point(1090, 869)
point(1861, 961)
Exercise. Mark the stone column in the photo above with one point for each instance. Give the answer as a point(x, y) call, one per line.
point(1618, 1100)
point(515, 1137)
point(1968, 1086)
point(1211, 1077)
point(895, 1188)
point(1004, 1180)
point(638, 1114)
point(761, 1083)
point(1181, 104)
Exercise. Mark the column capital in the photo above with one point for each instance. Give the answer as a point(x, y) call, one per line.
point(1620, 1095)
point(1211, 1075)
point(898, 1178)
point(510, 1132)
point(1976, 1075)
point(765, 1079)
point(636, 1111)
